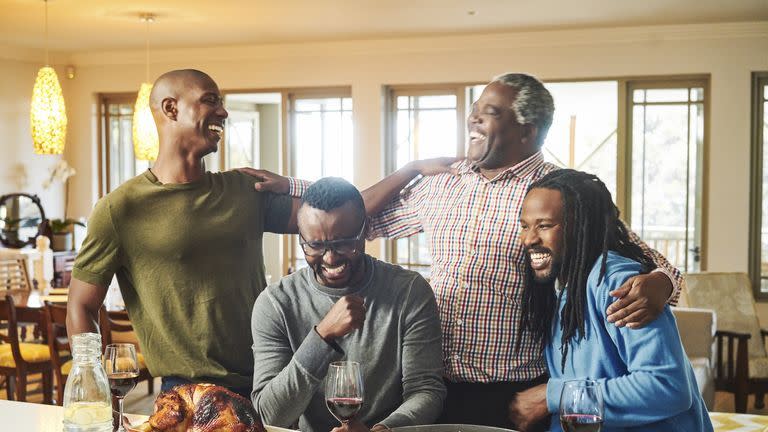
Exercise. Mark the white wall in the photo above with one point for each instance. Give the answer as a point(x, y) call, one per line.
point(21, 170)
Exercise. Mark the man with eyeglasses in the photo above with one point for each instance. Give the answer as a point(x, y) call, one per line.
point(345, 305)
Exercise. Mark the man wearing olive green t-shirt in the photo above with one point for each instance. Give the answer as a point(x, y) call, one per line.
point(185, 245)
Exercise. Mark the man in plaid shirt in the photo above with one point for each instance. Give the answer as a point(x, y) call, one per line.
point(470, 217)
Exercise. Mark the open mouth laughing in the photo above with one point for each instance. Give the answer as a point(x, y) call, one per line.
point(477, 138)
point(334, 272)
point(217, 129)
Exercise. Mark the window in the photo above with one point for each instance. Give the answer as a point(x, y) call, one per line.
point(665, 140)
point(425, 123)
point(759, 199)
point(583, 132)
point(320, 142)
point(117, 161)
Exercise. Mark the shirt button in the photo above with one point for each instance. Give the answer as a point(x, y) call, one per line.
point(459, 321)
point(456, 357)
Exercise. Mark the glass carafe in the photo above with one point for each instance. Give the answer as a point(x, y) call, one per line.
point(87, 399)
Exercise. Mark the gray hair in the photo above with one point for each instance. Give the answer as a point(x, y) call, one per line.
point(533, 103)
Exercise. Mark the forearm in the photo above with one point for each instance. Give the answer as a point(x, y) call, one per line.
point(282, 392)
point(663, 265)
point(81, 320)
point(656, 385)
point(83, 306)
point(379, 195)
point(635, 399)
point(419, 408)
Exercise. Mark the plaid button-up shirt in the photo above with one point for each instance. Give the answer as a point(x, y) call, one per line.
point(472, 229)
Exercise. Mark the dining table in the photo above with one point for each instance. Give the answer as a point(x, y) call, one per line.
point(32, 417)
point(35, 299)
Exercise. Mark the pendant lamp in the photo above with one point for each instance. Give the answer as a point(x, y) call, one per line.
point(48, 116)
point(145, 141)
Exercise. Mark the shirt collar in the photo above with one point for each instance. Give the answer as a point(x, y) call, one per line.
point(521, 170)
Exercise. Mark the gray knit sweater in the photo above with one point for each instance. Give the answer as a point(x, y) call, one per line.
point(399, 349)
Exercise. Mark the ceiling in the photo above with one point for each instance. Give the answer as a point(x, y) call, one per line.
point(85, 25)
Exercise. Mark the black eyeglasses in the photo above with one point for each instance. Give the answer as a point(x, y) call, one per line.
point(346, 246)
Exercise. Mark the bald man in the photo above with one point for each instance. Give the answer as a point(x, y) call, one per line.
point(185, 245)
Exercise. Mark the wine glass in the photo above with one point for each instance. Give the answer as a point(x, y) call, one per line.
point(122, 369)
point(344, 390)
point(581, 406)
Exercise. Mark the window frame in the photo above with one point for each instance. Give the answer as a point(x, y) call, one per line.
point(759, 81)
point(290, 96)
point(624, 150)
point(392, 92)
point(103, 149)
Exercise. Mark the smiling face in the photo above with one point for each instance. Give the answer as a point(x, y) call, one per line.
point(201, 116)
point(542, 233)
point(496, 139)
point(332, 269)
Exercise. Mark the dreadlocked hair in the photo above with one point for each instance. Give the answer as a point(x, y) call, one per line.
point(591, 228)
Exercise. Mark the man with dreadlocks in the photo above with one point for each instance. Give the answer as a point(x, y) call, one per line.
point(577, 251)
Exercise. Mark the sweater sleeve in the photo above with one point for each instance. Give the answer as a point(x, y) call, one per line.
point(423, 387)
point(657, 385)
point(283, 381)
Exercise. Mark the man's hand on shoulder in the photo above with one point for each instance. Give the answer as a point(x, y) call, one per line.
point(270, 182)
point(434, 166)
point(640, 300)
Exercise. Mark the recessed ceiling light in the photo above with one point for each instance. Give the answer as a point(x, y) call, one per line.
point(471, 13)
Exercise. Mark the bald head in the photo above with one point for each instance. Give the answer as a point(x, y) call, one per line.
point(174, 83)
point(188, 111)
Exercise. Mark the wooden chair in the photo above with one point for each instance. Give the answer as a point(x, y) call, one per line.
point(18, 359)
point(13, 274)
point(741, 365)
point(111, 322)
point(58, 345)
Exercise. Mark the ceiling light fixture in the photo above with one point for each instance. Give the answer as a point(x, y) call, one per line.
point(48, 116)
point(146, 143)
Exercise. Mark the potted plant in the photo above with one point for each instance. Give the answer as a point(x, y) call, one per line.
point(62, 233)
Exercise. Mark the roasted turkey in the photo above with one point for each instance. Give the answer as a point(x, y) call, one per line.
point(202, 408)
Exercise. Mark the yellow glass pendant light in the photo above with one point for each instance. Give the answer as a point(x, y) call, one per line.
point(48, 116)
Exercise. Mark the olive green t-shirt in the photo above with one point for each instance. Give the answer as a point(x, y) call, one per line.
point(188, 258)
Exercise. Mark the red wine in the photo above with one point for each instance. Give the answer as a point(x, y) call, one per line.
point(122, 382)
point(581, 423)
point(344, 408)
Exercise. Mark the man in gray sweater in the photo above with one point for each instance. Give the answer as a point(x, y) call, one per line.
point(345, 305)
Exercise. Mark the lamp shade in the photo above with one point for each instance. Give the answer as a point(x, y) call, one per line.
point(48, 116)
point(145, 141)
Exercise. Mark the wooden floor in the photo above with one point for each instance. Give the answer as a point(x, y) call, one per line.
point(139, 402)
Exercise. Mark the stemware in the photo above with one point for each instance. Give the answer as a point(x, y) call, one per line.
point(581, 406)
point(344, 390)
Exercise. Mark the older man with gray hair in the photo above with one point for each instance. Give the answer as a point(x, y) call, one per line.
point(471, 221)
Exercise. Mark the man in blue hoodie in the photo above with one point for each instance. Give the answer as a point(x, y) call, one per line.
point(577, 251)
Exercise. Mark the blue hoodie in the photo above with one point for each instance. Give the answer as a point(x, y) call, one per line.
point(645, 377)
